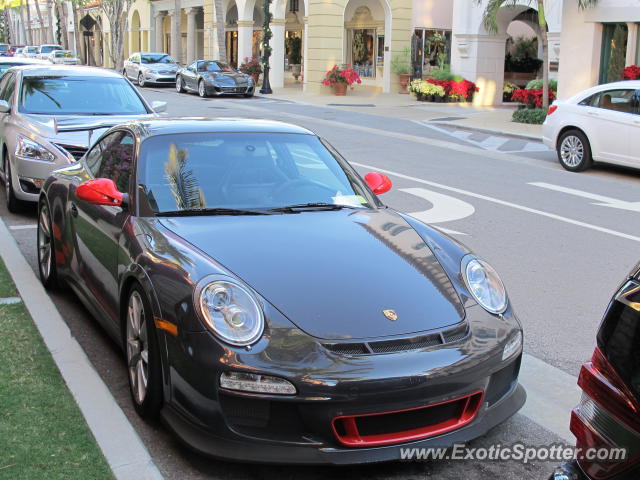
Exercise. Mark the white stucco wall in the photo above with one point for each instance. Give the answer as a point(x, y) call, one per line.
point(433, 14)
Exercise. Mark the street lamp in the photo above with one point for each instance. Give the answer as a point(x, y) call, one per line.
point(266, 48)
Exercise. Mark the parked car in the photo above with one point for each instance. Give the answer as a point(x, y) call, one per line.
point(211, 77)
point(150, 68)
point(47, 117)
point(600, 124)
point(45, 50)
point(7, 62)
point(269, 306)
point(608, 415)
point(29, 52)
point(15, 50)
point(5, 50)
point(64, 57)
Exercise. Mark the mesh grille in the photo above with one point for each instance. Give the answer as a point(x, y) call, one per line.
point(75, 151)
point(451, 335)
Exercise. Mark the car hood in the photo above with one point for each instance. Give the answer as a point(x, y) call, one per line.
point(236, 77)
point(333, 273)
point(52, 127)
point(161, 66)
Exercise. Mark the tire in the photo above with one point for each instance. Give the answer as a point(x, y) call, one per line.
point(574, 151)
point(179, 85)
point(46, 248)
point(202, 89)
point(124, 74)
point(140, 341)
point(248, 95)
point(141, 83)
point(13, 204)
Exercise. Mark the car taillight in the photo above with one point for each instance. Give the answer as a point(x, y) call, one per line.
point(607, 417)
point(552, 109)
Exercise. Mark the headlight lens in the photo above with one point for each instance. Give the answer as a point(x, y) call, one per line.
point(26, 148)
point(232, 312)
point(485, 286)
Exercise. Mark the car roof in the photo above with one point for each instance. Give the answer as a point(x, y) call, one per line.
point(80, 70)
point(626, 84)
point(178, 125)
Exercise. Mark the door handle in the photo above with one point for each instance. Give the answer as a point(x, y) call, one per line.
point(74, 210)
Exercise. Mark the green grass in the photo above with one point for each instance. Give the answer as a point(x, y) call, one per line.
point(43, 435)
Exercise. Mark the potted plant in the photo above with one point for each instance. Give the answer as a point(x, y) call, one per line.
point(401, 65)
point(251, 66)
point(339, 78)
point(294, 55)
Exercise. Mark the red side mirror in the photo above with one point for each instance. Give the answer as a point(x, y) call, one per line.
point(378, 182)
point(100, 191)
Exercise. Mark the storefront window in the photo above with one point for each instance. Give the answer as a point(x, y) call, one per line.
point(363, 52)
point(232, 48)
point(614, 51)
point(433, 48)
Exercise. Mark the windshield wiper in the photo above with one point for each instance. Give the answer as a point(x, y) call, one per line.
point(210, 211)
point(308, 207)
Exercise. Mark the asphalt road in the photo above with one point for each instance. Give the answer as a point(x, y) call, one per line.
point(562, 242)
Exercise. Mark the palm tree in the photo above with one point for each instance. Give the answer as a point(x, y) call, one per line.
point(39, 13)
point(29, 26)
point(222, 48)
point(489, 20)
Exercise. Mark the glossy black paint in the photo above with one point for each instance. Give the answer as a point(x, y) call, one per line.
point(318, 275)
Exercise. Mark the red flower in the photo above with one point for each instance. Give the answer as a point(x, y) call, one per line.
point(343, 74)
point(632, 72)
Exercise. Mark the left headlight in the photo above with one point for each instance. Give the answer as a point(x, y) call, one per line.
point(26, 148)
point(485, 285)
point(231, 311)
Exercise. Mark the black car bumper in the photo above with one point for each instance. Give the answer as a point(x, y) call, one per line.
point(424, 397)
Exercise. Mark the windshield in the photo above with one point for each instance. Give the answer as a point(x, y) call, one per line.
point(76, 95)
point(211, 66)
point(49, 48)
point(30, 49)
point(6, 66)
point(260, 171)
point(4, 48)
point(156, 58)
point(64, 54)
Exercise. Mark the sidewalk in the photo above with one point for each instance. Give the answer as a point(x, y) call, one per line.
point(492, 120)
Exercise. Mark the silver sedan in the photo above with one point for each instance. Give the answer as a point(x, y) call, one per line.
point(150, 68)
point(49, 116)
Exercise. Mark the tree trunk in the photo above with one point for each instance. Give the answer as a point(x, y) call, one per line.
point(76, 33)
point(64, 34)
point(220, 36)
point(542, 21)
point(39, 14)
point(8, 18)
point(29, 27)
point(22, 25)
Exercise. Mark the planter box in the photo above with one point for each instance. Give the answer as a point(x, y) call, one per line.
point(519, 78)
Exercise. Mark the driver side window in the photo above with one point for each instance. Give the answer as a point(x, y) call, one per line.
point(112, 158)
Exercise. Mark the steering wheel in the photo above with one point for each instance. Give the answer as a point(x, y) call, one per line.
point(299, 183)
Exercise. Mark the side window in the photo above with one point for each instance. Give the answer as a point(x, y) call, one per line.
point(8, 87)
point(617, 100)
point(112, 158)
point(193, 66)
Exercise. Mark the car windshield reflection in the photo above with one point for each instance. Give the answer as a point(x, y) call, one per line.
point(245, 172)
point(160, 58)
point(209, 66)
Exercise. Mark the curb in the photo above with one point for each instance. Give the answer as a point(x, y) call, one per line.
point(519, 136)
point(123, 449)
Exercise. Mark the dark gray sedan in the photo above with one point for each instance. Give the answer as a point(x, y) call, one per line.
point(211, 77)
point(270, 307)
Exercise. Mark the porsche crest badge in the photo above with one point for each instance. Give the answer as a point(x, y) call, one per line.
point(390, 314)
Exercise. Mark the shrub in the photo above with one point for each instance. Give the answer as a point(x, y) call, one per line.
point(420, 87)
point(532, 98)
point(537, 84)
point(529, 115)
point(632, 72)
point(401, 64)
point(456, 89)
point(342, 74)
point(251, 66)
point(442, 74)
point(509, 88)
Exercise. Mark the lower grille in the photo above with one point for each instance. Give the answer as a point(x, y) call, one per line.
point(407, 425)
point(75, 151)
point(233, 89)
point(501, 382)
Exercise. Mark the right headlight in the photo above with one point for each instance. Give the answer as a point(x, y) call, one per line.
point(26, 148)
point(485, 285)
point(230, 310)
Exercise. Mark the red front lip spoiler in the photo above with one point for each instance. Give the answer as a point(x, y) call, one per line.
point(469, 407)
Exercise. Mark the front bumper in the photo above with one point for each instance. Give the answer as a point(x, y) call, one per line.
point(302, 428)
point(231, 90)
point(160, 77)
point(29, 175)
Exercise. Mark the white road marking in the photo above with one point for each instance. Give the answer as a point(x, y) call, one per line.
point(10, 300)
point(493, 142)
point(504, 203)
point(600, 199)
point(445, 208)
point(23, 227)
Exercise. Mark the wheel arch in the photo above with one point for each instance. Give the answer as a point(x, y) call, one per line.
point(567, 128)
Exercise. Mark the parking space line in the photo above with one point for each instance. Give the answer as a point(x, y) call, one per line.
point(504, 203)
point(22, 227)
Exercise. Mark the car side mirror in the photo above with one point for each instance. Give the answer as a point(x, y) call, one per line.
point(101, 191)
point(159, 106)
point(378, 182)
point(4, 106)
